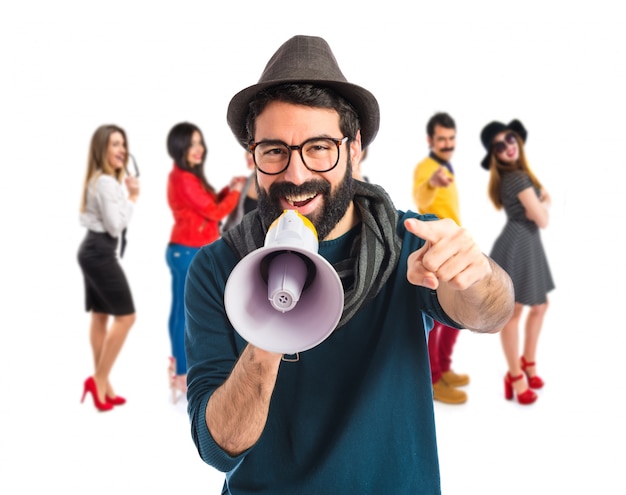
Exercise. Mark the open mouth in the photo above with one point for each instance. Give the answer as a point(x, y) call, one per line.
point(300, 201)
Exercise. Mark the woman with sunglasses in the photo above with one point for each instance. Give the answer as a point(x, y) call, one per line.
point(519, 250)
point(197, 209)
point(106, 210)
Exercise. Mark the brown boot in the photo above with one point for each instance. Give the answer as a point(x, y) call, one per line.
point(455, 380)
point(447, 394)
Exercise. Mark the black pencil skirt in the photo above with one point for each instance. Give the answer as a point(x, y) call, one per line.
point(106, 288)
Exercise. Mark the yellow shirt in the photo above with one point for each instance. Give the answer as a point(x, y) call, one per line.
point(440, 201)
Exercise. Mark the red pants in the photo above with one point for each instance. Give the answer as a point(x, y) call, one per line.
point(441, 340)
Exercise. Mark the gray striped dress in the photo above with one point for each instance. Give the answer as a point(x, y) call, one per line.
point(518, 249)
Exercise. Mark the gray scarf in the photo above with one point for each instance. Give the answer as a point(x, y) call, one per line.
point(373, 256)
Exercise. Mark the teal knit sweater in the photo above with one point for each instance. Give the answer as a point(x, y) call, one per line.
point(353, 415)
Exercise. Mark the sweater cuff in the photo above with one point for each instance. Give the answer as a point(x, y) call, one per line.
point(209, 450)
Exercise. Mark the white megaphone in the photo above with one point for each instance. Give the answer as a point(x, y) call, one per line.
point(284, 297)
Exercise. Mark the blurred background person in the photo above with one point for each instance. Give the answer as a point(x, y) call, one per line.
point(197, 210)
point(519, 250)
point(248, 199)
point(435, 192)
point(106, 210)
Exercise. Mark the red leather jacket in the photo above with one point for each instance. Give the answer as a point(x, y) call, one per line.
point(197, 212)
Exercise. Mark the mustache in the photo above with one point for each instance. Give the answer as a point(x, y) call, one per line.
point(445, 150)
point(282, 189)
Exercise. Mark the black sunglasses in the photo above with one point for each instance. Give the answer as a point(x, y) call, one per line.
point(500, 146)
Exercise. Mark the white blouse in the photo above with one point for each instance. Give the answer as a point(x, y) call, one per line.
point(108, 208)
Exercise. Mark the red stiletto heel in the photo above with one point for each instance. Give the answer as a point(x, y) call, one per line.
point(533, 381)
point(525, 398)
point(90, 386)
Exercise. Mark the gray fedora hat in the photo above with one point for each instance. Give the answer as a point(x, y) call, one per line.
point(306, 59)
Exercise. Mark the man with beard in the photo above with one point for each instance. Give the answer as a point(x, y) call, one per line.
point(435, 192)
point(353, 414)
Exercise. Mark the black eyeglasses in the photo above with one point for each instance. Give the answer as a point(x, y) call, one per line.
point(319, 154)
point(135, 167)
point(500, 146)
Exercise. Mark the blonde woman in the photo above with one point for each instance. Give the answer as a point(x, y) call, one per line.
point(106, 210)
point(519, 250)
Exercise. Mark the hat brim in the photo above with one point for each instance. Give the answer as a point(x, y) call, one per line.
point(361, 99)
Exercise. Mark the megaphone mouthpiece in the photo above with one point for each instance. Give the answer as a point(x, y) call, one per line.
point(292, 229)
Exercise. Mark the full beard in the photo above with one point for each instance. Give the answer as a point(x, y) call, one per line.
point(333, 209)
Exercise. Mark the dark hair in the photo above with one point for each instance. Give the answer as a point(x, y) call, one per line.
point(178, 144)
point(310, 96)
point(442, 119)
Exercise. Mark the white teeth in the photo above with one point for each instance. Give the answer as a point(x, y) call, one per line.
point(296, 199)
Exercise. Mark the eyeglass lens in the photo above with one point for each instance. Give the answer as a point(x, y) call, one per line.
point(317, 154)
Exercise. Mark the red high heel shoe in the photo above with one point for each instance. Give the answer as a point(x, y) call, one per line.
point(90, 386)
point(533, 381)
point(525, 398)
point(118, 400)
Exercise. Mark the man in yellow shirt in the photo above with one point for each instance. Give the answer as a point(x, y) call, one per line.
point(434, 191)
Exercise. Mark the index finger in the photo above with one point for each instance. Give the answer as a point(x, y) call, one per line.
point(431, 230)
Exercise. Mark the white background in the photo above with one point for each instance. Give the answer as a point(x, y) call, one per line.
point(69, 66)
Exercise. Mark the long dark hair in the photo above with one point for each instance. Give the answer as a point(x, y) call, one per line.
point(178, 144)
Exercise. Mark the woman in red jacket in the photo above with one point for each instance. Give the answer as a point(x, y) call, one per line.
point(197, 209)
